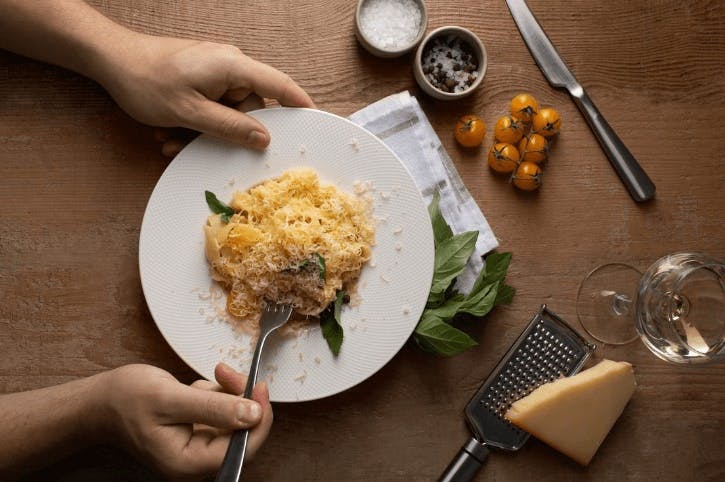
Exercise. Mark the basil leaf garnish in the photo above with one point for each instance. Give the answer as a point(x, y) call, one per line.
point(218, 207)
point(330, 324)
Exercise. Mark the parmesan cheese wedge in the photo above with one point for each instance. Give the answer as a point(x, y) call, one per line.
point(575, 414)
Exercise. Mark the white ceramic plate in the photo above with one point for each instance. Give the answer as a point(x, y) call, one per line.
point(188, 306)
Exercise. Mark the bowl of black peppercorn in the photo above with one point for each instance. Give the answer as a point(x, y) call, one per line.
point(450, 63)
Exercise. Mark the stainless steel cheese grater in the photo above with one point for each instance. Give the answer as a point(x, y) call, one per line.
point(547, 349)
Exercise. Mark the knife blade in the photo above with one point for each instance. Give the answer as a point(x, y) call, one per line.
point(634, 178)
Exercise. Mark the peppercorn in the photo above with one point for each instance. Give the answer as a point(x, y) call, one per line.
point(449, 64)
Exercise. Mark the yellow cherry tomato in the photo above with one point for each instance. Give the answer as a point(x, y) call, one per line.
point(469, 130)
point(527, 176)
point(546, 122)
point(508, 129)
point(503, 158)
point(524, 106)
point(534, 148)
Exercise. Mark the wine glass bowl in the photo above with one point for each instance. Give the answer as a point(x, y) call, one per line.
point(680, 312)
point(677, 307)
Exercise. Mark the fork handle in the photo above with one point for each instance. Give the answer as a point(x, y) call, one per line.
point(231, 469)
point(467, 462)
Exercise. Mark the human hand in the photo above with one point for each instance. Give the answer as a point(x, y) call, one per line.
point(171, 82)
point(183, 431)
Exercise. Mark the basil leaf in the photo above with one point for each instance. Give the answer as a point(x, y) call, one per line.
point(218, 207)
point(448, 309)
point(330, 324)
point(495, 267)
point(436, 336)
point(441, 230)
point(451, 257)
point(505, 295)
point(435, 299)
point(479, 303)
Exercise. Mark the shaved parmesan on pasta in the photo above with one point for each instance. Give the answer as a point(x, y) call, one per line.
point(291, 239)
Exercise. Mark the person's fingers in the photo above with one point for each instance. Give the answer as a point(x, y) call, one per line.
point(175, 139)
point(206, 385)
point(222, 410)
point(205, 452)
point(261, 393)
point(260, 432)
point(251, 102)
point(227, 123)
point(206, 449)
point(229, 379)
point(269, 82)
point(235, 95)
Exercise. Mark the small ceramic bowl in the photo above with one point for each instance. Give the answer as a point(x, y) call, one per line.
point(453, 78)
point(366, 15)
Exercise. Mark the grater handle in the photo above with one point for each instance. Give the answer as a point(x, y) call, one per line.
point(467, 462)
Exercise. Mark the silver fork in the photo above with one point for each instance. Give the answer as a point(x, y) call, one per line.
point(273, 317)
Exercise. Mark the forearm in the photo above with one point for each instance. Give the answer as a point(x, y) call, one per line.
point(68, 33)
point(41, 425)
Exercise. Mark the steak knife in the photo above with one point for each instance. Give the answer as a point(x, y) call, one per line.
point(639, 185)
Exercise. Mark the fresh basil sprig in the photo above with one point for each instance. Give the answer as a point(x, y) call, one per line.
point(434, 333)
point(218, 207)
point(330, 323)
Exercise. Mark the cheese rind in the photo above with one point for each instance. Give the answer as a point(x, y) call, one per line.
point(575, 414)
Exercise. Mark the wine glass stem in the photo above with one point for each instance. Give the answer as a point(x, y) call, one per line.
point(621, 304)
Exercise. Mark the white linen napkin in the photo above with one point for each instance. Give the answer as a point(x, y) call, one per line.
point(402, 125)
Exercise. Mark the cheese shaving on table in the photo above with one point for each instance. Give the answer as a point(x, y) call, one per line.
point(281, 232)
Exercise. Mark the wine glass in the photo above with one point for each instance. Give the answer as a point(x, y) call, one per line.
point(677, 307)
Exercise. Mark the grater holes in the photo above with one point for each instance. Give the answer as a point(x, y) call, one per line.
point(544, 355)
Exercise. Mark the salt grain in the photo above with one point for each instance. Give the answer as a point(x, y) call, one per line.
point(391, 24)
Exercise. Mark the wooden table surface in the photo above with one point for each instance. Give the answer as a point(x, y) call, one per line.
point(76, 173)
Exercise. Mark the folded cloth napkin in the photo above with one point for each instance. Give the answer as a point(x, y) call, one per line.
point(402, 125)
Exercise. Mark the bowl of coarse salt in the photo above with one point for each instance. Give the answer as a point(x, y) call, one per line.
point(390, 28)
point(450, 63)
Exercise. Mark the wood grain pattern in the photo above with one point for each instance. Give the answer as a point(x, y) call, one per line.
point(76, 172)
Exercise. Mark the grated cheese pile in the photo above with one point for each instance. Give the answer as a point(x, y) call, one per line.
point(270, 248)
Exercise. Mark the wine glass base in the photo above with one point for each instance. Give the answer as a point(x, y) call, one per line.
point(605, 303)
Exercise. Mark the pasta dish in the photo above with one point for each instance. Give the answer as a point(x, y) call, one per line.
point(290, 239)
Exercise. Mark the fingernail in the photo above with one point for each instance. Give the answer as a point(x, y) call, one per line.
point(249, 411)
point(257, 139)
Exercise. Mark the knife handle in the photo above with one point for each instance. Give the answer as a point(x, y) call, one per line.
point(639, 185)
